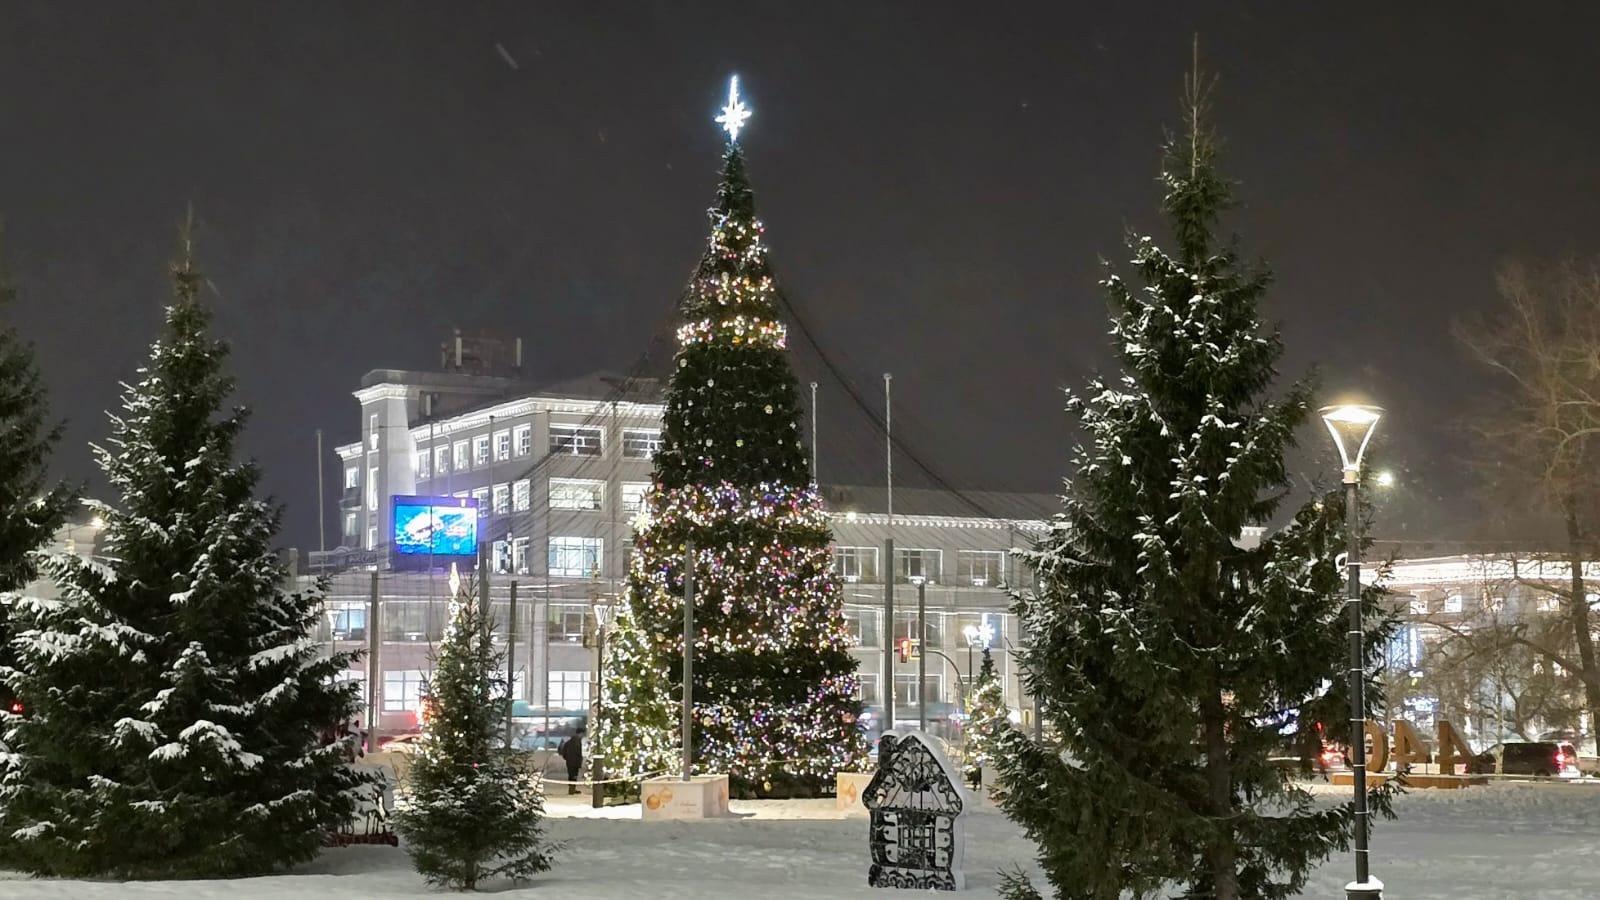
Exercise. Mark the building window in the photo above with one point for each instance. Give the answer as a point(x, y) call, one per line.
point(862, 624)
point(1419, 606)
point(519, 555)
point(348, 621)
point(867, 689)
point(500, 553)
point(521, 495)
point(482, 496)
point(402, 690)
point(502, 445)
point(461, 458)
point(905, 626)
point(640, 443)
point(575, 440)
point(372, 538)
point(502, 499)
point(574, 493)
point(352, 526)
point(480, 450)
point(910, 565)
point(980, 568)
point(906, 691)
point(372, 487)
point(422, 463)
point(372, 432)
point(1548, 603)
point(406, 620)
point(569, 690)
point(522, 439)
point(856, 563)
point(1452, 603)
point(441, 459)
point(352, 477)
point(633, 495)
point(574, 557)
point(567, 621)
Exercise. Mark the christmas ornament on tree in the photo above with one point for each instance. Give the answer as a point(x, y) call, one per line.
point(774, 694)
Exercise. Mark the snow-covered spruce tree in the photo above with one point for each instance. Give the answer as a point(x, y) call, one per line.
point(176, 707)
point(987, 717)
point(774, 682)
point(30, 508)
point(467, 812)
point(1170, 659)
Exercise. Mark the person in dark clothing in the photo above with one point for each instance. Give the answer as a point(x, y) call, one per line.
point(571, 750)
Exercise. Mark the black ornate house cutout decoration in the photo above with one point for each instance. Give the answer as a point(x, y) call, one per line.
point(916, 800)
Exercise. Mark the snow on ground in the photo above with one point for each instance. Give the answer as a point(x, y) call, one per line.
point(1500, 841)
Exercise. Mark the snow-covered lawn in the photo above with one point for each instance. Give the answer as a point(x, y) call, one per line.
point(1502, 841)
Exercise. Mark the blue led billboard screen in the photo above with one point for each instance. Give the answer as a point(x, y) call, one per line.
point(435, 527)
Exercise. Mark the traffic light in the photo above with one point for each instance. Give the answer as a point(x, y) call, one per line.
point(909, 649)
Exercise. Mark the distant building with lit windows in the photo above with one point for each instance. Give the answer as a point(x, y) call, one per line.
point(559, 471)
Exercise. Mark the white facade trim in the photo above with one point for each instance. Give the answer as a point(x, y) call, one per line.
point(528, 406)
point(386, 391)
point(859, 518)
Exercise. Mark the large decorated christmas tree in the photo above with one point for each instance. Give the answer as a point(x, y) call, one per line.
point(774, 688)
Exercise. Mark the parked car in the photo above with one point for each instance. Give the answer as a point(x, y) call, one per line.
point(1547, 758)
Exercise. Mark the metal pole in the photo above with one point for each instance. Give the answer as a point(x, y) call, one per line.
point(322, 536)
point(483, 584)
point(511, 660)
point(374, 669)
point(596, 769)
point(888, 556)
point(888, 451)
point(1360, 889)
point(688, 658)
point(814, 479)
point(888, 644)
point(922, 656)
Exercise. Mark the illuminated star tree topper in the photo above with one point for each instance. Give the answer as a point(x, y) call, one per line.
point(735, 113)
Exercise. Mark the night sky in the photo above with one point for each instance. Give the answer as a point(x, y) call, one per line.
point(939, 182)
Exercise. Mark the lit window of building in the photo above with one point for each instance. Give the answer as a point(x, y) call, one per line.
point(856, 563)
point(575, 557)
point(576, 493)
point(575, 440)
point(633, 495)
point(640, 443)
point(522, 439)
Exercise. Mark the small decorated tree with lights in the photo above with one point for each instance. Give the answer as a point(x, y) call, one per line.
point(774, 688)
point(987, 718)
point(467, 812)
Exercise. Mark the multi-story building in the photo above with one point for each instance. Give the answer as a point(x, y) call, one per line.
point(559, 472)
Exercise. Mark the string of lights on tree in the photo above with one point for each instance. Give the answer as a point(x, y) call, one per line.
point(775, 689)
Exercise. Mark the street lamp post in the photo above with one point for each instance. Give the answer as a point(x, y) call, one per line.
point(1351, 426)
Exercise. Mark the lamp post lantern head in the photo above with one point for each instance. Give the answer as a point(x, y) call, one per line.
point(978, 636)
point(1351, 425)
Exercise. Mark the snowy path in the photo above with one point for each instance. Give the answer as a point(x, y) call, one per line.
point(1504, 841)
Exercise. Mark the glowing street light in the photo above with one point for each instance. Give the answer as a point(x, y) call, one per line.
point(1351, 425)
